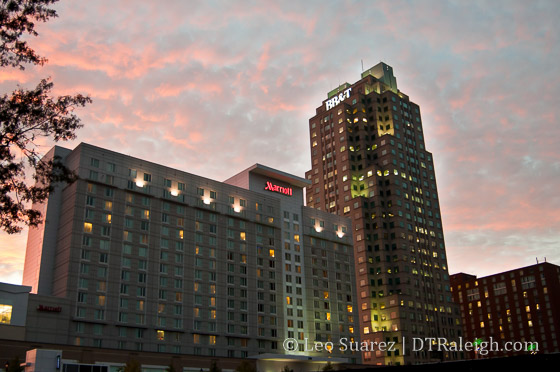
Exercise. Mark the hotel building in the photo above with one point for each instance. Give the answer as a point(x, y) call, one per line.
point(520, 305)
point(148, 258)
point(370, 164)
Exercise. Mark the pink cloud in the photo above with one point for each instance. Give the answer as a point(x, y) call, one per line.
point(166, 80)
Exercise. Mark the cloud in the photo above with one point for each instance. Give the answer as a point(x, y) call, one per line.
point(213, 87)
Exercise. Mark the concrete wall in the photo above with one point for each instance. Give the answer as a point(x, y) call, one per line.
point(41, 242)
point(42, 360)
point(16, 297)
point(48, 319)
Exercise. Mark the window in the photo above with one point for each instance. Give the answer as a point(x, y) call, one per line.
point(5, 313)
point(528, 282)
point(500, 288)
point(106, 230)
point(93, 175)
point(161, 335)
point(147, 177)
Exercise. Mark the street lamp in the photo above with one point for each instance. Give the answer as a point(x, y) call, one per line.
point(7, 365)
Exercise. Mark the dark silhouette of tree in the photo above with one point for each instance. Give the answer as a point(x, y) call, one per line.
point(246, 366)
point(25, 116)
point(287, 369)
point(328, 367)
point(131, 366)
point(14, 365)
point(170, 368)
point(214, 367)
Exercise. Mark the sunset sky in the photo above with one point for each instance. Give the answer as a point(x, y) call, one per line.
point(212, 87)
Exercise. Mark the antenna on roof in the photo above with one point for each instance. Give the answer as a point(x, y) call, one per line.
point(536, 258)
point(362, 65)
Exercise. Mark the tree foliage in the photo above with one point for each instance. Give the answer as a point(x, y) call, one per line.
point(245, 366)
point(27, 115)
point(132, 365)
point(287, 369)
point(17, 18)
point(14, 365)
point(328, 367)
point(214, 367)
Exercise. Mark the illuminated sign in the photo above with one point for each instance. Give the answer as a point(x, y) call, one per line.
point(337, 99)
point(50, 309)
point(278, 189)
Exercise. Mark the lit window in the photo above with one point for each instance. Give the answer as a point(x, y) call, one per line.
point(160, 335)
point(5, 313)
point(242, 235)
point(88, 227)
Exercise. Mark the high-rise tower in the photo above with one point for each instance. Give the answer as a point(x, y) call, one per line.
point(369, 163)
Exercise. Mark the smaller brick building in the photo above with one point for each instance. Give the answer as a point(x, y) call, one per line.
point(517, 306)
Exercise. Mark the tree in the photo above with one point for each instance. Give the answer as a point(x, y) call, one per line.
point(25, 116)
point(328, 367)
point(170, 368)
point(131, 366)
point(214, 367)
point(246, 366)
point(14, 365)
point(287, 369)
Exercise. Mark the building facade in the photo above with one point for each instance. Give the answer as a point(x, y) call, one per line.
point(518, 306)
point(370, 164)
point(149, 258)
